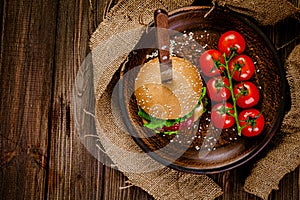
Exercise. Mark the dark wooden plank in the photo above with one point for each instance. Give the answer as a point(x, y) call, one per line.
point(26, 53)
point(73, 172)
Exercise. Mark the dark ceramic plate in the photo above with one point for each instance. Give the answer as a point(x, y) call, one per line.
point(203, 149)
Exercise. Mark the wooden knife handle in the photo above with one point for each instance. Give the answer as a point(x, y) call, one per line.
point(163, 38)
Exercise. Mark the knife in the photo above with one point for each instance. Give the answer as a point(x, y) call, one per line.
point(163, 42)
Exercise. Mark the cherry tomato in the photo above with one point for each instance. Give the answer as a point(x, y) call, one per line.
point(218, 88)
point(246, 94)
point(210, 63)
point(242, 67)
point(253, 122)
point(231, 41)
point(221, 115)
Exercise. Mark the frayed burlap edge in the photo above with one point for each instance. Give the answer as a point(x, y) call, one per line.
point(285, 156)
point(266, 12)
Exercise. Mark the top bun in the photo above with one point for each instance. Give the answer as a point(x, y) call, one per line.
point(173, 99)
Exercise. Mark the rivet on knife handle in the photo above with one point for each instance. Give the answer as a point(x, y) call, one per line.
point(163, 42)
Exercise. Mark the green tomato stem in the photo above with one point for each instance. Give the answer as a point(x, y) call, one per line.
point(229, 76)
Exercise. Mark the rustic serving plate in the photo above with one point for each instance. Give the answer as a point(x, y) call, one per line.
point(203, 149)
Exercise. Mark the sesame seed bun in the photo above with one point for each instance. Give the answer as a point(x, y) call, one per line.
point(173, 99)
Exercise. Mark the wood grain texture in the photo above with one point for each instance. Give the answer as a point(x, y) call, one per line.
point(42, 44)
point(26, 65)
point(72, 170)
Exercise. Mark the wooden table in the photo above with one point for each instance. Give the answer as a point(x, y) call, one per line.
point(41, 48)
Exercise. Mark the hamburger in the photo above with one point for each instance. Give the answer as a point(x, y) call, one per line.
point(172, 106)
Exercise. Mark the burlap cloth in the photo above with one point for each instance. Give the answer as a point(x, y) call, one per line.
point(110, 45)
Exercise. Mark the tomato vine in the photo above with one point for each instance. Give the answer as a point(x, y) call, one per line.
point(229, 75)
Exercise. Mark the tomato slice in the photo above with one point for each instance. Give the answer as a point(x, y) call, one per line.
point(231, 41)
point(252, 122)
point(180, 126)
point(221, 115)
point(212, 63)
point(241, 67)
point(246, 94)
point(218, 89)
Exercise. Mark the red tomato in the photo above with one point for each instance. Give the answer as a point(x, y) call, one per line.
point(218, 88)
point(252, 122)
point(231, 41)
point(221, 115)
point(242, 68)
point(210, 63)
point(246, 94)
